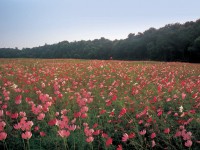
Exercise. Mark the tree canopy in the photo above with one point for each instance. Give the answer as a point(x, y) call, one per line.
point(173, 42)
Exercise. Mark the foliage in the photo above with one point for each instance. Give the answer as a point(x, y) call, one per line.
point(173, 42)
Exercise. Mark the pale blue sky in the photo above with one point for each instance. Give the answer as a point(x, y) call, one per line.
point(29, 23)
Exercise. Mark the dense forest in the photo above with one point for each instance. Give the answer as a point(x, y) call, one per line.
point(173, 42)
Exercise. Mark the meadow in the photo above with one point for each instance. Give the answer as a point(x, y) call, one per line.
point(56, 104)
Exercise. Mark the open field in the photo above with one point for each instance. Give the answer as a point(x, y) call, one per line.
point(93, 104)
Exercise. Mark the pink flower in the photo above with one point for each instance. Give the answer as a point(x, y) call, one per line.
point(178, 134)
point(26, 125)
point(102, 111)
point(77, 114)
point(22, 114)
point(183, 95)
point(153, 135)
point(88, 132)
point(89, 139)
point(95, 125)
point(188, 143)
point(186, 136)
point(14, 116)
point(17, 126)
point(2, 125)
point(1, 113)
point(104, 135)
point(64, 111)
point(167, 130)
point(36, 128)
point(140, 122)
point(131, 135)
point(57, 114)
point(181, 127)
point(84, 109)
point(27, 135)
point(153, 143)
point(108, 142)
point(41, 116)
point(52, 122)
point(143, 132)
point(72, 127)
point(97, 132)
point(175, 114)
point(42, 133)
point(125, 137)
point(63, 133)
point(84, 115)
point(3, 136)
point(18, 99)
point(73, 121)
point(159, 113)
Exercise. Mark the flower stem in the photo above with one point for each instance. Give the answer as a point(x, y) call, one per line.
point(65, 144)
point(5, 145)
point(24, 145)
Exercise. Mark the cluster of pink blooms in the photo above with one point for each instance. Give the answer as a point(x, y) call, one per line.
point(3, 135)
point(88, 133)
point(186, 136)
point(25, 126)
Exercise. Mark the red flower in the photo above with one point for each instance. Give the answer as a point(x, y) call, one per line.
point(153, 143)
point(153, 135)
point(97, 132)
point(3, 136)
point(114, 98)
point(52, 122)
point(14, 116)
point(104, 135)
point(125, 137)
point(188, 143)
point(183, 95)
point(122, 112)
point(63, 133)
point(108, 142)
point(119, 147)
point(27, 135)
point(84, 115)
point(41, 116)
point(18, 99)
point(131, 135)
point(77, 114)
point(143, 132)
point(89, 139)
point(42, 133)
point(167, 130)
point(102, 111)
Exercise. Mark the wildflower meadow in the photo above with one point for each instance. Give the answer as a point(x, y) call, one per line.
point(56, 104)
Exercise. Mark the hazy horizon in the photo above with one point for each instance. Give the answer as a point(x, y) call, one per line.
point(33, 23)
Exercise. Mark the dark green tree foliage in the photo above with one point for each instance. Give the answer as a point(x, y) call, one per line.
point(173, 42)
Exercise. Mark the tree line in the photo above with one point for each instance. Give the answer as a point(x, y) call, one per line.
point(173, 42)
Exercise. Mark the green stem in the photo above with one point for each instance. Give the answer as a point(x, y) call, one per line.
point(74, 141)
point(65, 144)
point(92, 146)
point(24, 145)
point(28, 146)
point(5, 145)
point(40, 143)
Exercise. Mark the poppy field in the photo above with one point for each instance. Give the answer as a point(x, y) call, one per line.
point(58, 104)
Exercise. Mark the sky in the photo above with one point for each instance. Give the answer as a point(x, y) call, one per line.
point(32, 23)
